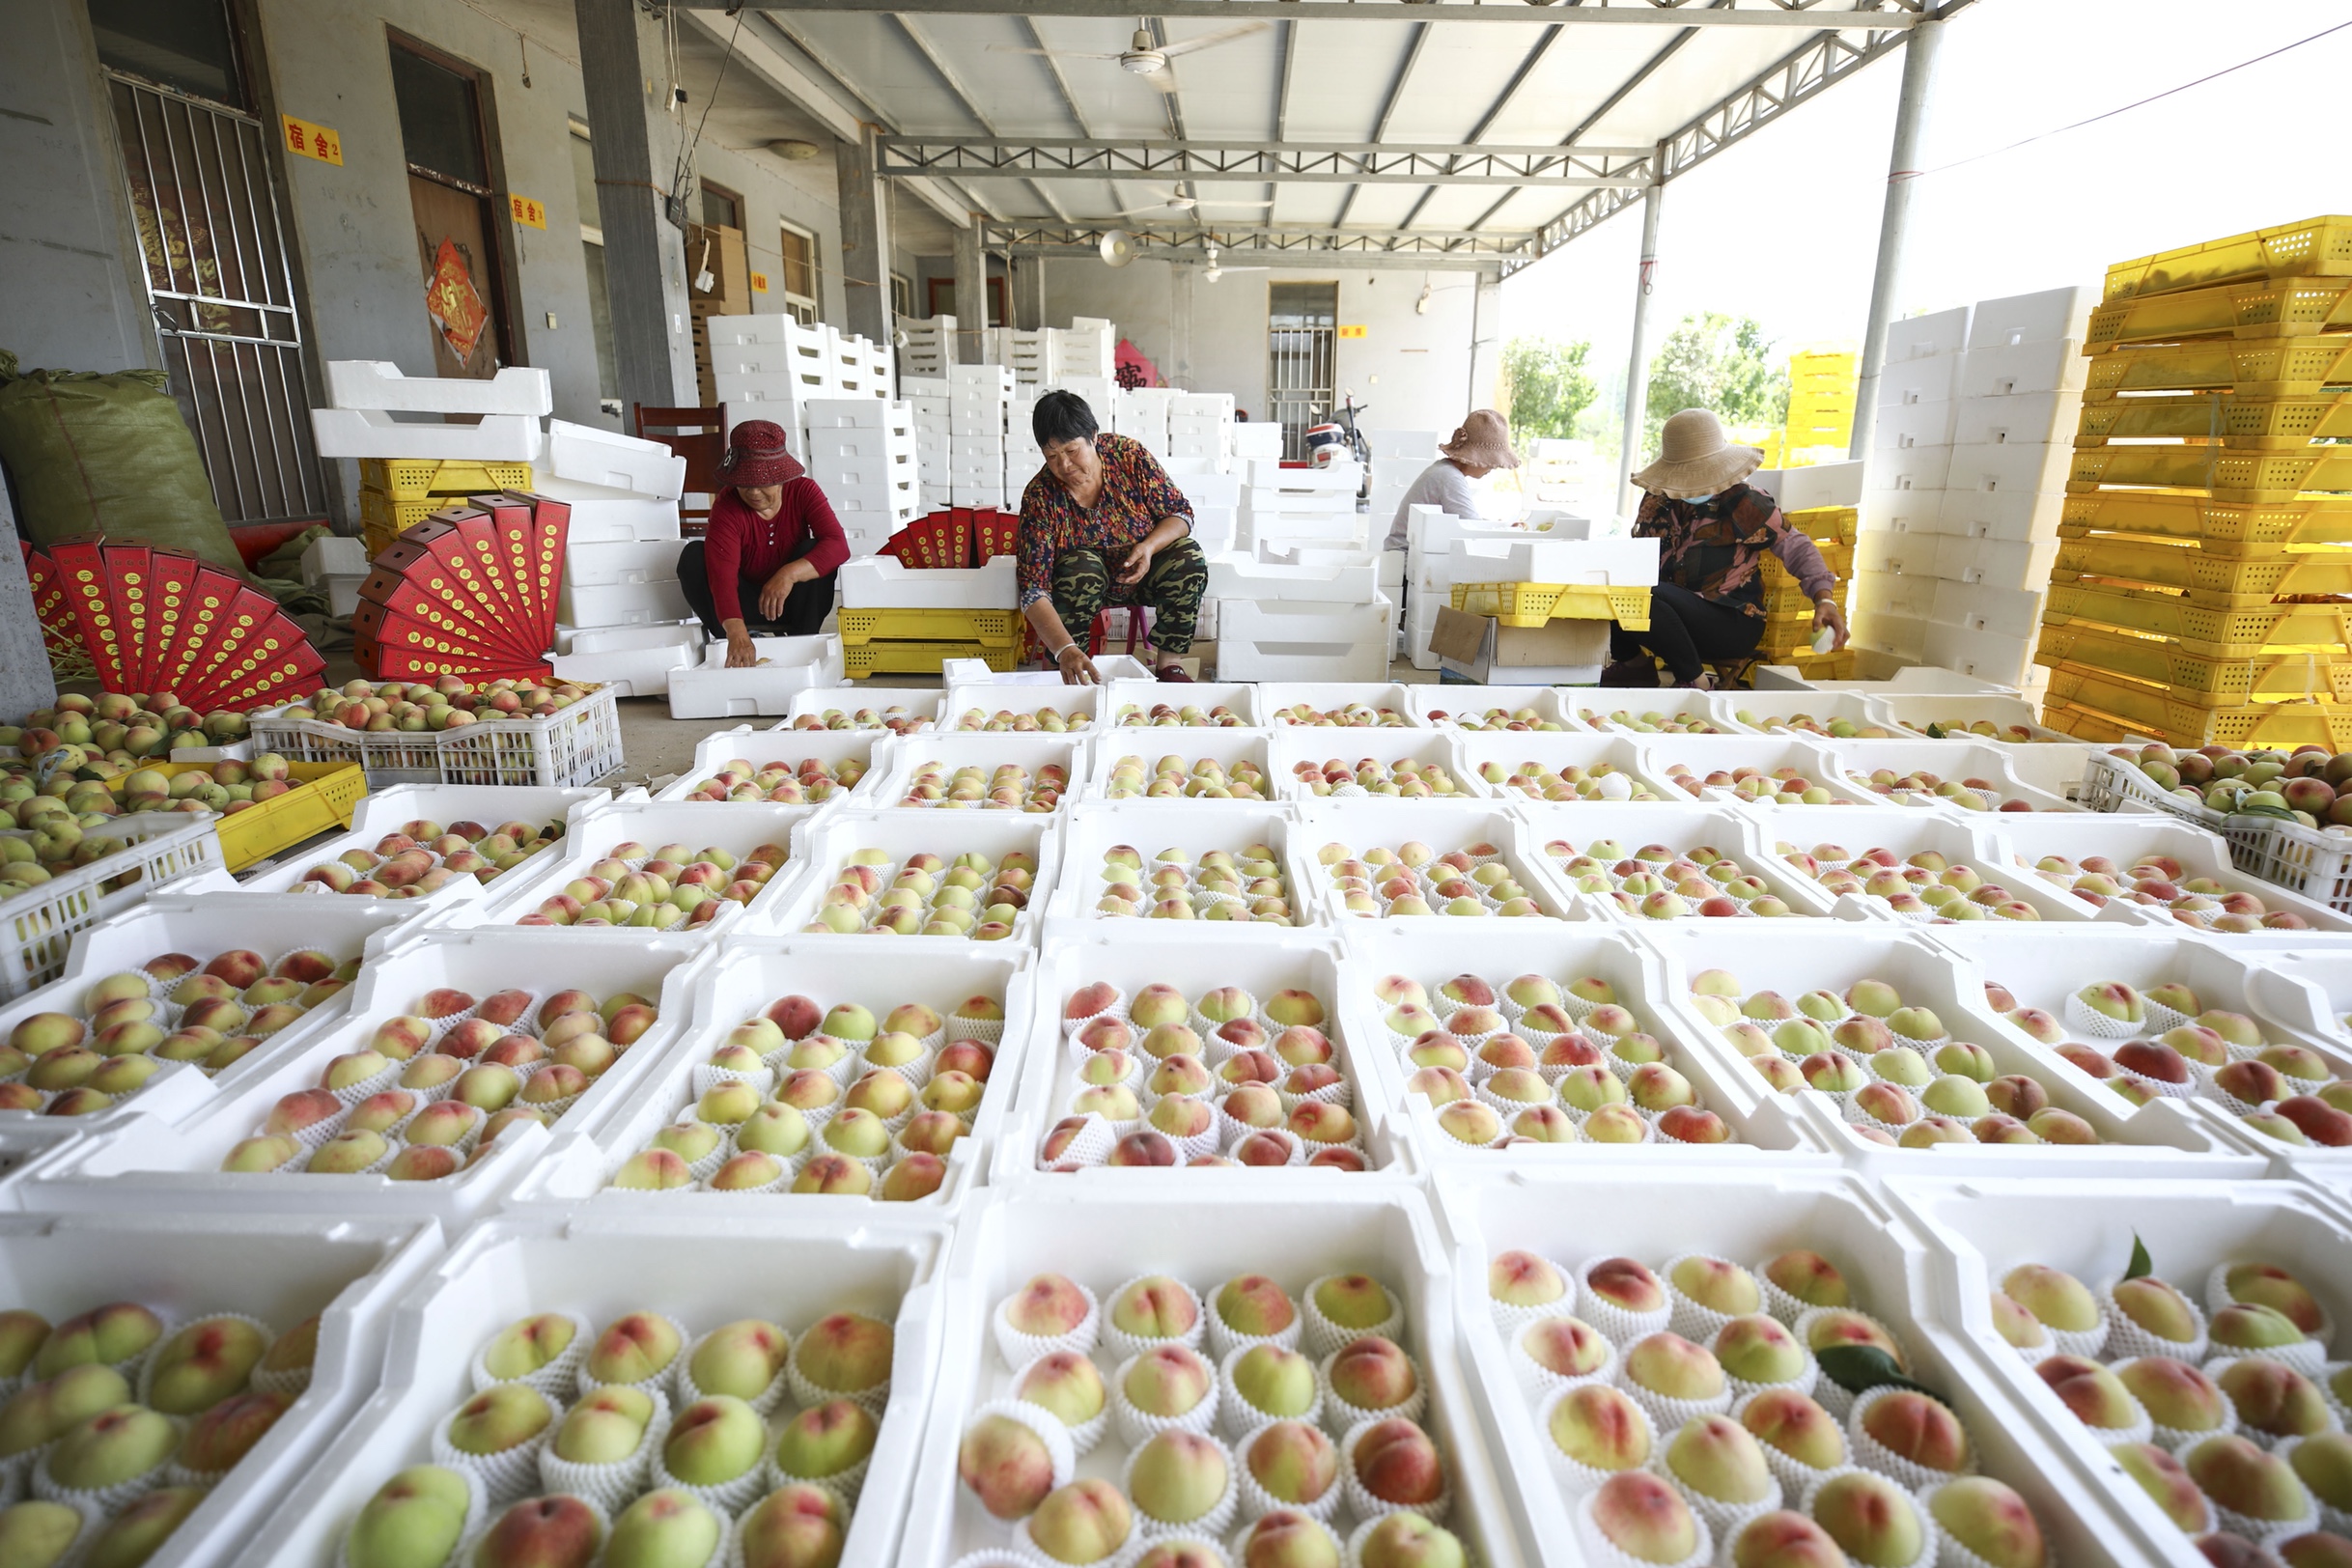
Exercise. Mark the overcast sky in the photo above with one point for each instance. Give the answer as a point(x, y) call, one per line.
point(1784, 227)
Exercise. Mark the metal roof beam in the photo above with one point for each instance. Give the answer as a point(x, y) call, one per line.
point(1799, 14)
point(1387, 110)
point(971, 105)
point(1319, 246)
point(905, 156)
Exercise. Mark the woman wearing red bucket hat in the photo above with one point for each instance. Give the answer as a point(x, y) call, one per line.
point(766, 568)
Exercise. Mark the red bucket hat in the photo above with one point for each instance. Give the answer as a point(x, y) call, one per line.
point(756, 455)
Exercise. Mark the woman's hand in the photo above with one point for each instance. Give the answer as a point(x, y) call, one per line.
point(741, 655)
point(1827, 613)
point(1076, 667)
point(1139, 562)
point(778, 588)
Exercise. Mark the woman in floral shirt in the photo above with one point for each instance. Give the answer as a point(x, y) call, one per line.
point(1102, 524)
point(1713, 531)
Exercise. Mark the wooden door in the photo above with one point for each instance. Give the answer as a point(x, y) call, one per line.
point(461, 292)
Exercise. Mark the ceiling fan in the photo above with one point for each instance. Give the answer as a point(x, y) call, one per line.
point(1142, 57)
point(1179, 202)
point(1213, 270)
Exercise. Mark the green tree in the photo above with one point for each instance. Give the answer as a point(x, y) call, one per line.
point(1548, 385)
point(1712, 361)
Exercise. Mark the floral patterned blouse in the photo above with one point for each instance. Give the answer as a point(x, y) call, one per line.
point(1714, 547)
point(1136, 493)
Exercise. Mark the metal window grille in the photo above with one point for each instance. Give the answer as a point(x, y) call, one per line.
point(1302, 325)
point(220, 286)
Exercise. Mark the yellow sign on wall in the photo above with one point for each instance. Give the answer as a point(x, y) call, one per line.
point(1355, 331)
point(527, 211)
point(759, 283)
point(313, 141)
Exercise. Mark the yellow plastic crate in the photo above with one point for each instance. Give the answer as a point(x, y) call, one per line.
point(2245, 424)
point(410, 478)
point(1525, 605)
point(1839, 558)
point(2278, 367)
point(1824, 524)
point(1838, 666)
point(2246, 633)
point(2320, 671)
point(2217, 527)
point(2257, 308)
point(387, 515)
point(2172, 708)
point(920, 657)
point(2098, 713)
point(2315, 247)
point(2207, 579)
point(993, 628)
point(2227, 475)
point(323, 800)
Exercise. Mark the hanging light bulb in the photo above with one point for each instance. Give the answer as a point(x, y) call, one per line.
point(1420, 306)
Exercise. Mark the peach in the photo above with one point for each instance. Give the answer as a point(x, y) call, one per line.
point(1645, 1517)
point(1600, 1428)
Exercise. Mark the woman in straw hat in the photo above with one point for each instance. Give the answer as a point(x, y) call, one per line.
point(1482, 445)
point(766, 564)
point(1713, 531)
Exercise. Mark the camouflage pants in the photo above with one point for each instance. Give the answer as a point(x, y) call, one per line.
point(1083, 583)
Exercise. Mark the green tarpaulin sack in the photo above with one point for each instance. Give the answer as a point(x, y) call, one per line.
point(108, 455)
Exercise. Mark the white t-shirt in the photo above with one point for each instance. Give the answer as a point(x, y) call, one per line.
point(1441, 485)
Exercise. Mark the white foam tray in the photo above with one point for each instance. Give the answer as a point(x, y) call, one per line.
point(204, 926)
point(791, 747)
point(1592, 711)
point(1770, 710)
point(793, 1270)
point(1240, 696)
point(2123, 836)
point(1548, 704)
point(376, 383)
point(1092, 826)
point(1704, 754)
point(641, 670)
point(980, 701)
point(850, 700)
point(898, 760)
point(884, 582)
point(1261, 963)
point(1326, 696)
point(1655, 1214)
point(754, 973)
point(2306, 987)
point(280, 1269)
point(1985, 760)
point(372, 432)
point(1962, 837)
point(1979, 1230)
point(2164, 1137)
point(604, 514)
point(1767, 1127)
point(710, 689)
point(1222, 745)
point(593, 455)
point(834, 833)
point(658, 602)
point(149, 1167)
point(1679, 826)
point(383, 811)
point(737, 828)
point(1916, 711)
point(1445, 826)
point(1299, 744)
point(1202, 1238)
point(1632, 755)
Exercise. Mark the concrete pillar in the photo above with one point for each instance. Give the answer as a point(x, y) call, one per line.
point(25, 680)
point(865, 239)
point(636, 142)
point(972, 293)
point(1486, 339)
point(1638, 360)
point(1920, 48)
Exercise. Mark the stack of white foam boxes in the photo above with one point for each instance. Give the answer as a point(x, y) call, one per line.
point(1561, 473)
point(1021, 457)
point(770, 367)
point(1286, 508)
point(861, 452)
point(1085, 351)
point(930, 348)
point(1142, 415)
point(931, 402)
point(1959, 523)
point(621, 618)
point(978, 399)
point(1398, 459)
point(1200, 432)
point(1440, 551)
point(1216, 503)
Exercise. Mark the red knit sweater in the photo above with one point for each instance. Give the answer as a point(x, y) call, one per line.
point(741, 543)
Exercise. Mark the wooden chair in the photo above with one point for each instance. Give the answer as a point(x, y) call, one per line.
point(1732, 673)
point(700, 437)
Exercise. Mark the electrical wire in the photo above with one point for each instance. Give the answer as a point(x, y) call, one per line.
point(683, 173)
point(2141, 103)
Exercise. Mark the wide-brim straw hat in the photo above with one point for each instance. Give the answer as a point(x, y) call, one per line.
point(1484, 441)
point(756, 455)
point(1695, 458)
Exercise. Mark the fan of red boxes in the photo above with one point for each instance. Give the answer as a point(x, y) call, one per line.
point(962, 536)
point(470, 591)
point(158, 620)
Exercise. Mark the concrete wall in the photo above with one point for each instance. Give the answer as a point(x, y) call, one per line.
point(72, 299)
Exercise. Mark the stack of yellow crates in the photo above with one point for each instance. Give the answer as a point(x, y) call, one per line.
point(1788, 611)
point(1820, 426)
point(2204, 587)
point(395, 493)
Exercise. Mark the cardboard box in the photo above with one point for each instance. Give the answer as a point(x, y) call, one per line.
point(1562, 653)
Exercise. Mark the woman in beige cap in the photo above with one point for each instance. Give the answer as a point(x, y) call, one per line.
point(1482, 445)
point(1713, 531)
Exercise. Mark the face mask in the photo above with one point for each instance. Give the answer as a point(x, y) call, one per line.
point(1697, 500)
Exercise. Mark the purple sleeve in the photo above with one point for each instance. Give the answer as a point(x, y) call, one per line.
point(1802, 559)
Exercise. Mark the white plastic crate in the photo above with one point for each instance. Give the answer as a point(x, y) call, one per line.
point(1981, 1231)
point(902, 758)
point(37, 928)
point(575, 1176)
point(2164, 1137)
point(1302, 641)
point(1261, 963)
point(609, 459)
point(1224, 746)
point(1296, 744)
point(384, 811)
point(1240, 698)
point(762, 747)
point(1150, 826)
point(574, 747)
point(1559, 831)
point(834, 835)
point(793, 1270)
point(1201, 1239)
point(1654, 1215)
point(735, 826)
point(795, 664)
point(376, 383)
point(920, 703)
point(282, 1270)
point(634, 661)
point(371, 433)
point(150, 1166)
